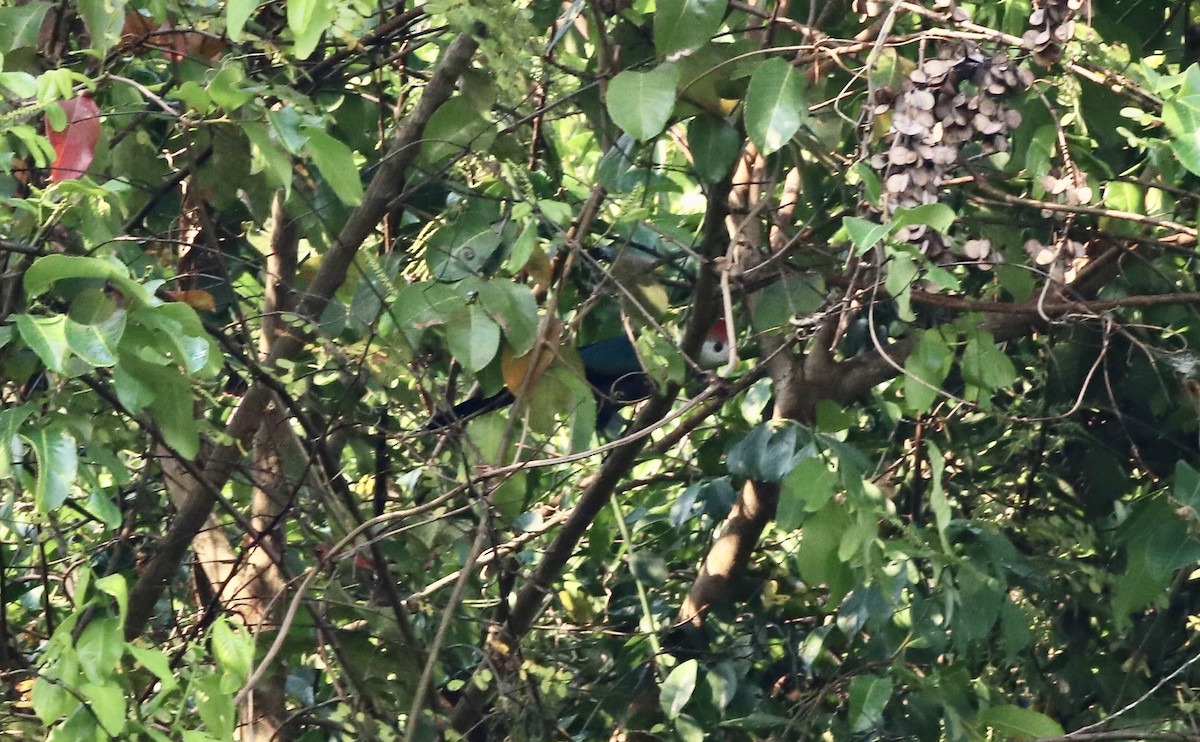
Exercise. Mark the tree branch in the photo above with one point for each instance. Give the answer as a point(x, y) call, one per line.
point(531, 597)
point(389, 180)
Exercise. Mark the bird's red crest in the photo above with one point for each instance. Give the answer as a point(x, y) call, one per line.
point(718, 331)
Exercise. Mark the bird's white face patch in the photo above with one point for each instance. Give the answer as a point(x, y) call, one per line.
point(713, 353)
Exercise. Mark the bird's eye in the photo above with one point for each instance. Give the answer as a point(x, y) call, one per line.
point(718, 346)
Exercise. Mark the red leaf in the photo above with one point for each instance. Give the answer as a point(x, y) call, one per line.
point(75, 145)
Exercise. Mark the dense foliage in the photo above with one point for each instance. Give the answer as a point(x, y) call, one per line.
point(942, 484)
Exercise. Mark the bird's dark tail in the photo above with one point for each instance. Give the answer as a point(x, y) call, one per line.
point(469, 408)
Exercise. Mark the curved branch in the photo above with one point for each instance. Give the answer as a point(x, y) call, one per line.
point(531, 597)
point(388, 181)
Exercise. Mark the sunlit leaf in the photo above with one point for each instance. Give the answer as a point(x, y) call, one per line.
point(57, 461)
point(775, 105)
point(336, 162)
point(19, 24)
point(869, 695)
point(1013, 721)
point(715, 145)
point(864, 233)
point(100, 647)
point(46, 336)
point(104, 20)
point(678, 688)
point(233, 649)
point(641, 102)
point(683, 25)
point(473, 337)
point(237, 12)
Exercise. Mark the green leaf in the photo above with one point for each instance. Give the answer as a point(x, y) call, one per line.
point(514, 309)
point(1182, 118)
point(228, 87)
point(179, 335)
point(1187, 485)
point(300, 13)
point(793, 295)
point(1039, 155)
point(715, 145)
point(689, 730)
point(1013, 721)
point(806, 489)
point(50, 268)
point(817, 558)
point(172, 404)
point(156, 662)
point(641, 103)
point(336, 162)
point(938, 504)
point(986, 366)
point(21, 85)
point(104, 20)
point(775, 105)
point(114, 585)
point(936, 216)
point(869, 696)
point(308, 20)
point(426, 304)
point(615, 165)
point(648, 568)
point(57, 463)
point(766, 454)
point(1128, 197)
point(215, 705)
point(269, 155)
point(1170, 546)
point(865, 234)
point(47, 337)
point(902, 271)
point(1138, 587)
point(174, 413)
point(96, 343)
point(925, 369)
point(100, 648)
point(80, 725)
point(11, 448)
point(677, 689)
point(195, 97)
point(132, 392)
point(522, 248)
point(51, 701)
point(456, 126)
point(473, 337)
point(237, 12)
point(463, 248)
point(722, 682)
point(286, 127)
point(233, 649)
point(19, 25)
point(107, 702)
point(684, 25)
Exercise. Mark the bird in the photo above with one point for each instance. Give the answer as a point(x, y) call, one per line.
point(611, 368)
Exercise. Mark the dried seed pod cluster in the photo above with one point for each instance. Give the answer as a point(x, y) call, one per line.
point(1071, 189)
point(944, 104)
point(982, 253)
point(1053, 24)
point(1063, 259)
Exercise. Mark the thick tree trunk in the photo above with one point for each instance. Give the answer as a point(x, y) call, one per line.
point(260, 596)
point(730, 552)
